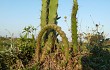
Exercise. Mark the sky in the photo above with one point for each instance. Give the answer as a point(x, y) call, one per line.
point(16, 14)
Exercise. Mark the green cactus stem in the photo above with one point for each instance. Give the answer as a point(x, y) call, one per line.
point(53, 6)
point(44, 12)
point(44, 17)
point(49, 12)
point(74, 25)
point(49, 16)
point(52, 19)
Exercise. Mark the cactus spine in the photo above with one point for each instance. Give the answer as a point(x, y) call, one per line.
point(74, 25)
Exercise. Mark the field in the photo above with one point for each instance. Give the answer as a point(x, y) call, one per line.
point(17, 53)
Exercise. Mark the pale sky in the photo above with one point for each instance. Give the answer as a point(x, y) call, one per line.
point(16, 14)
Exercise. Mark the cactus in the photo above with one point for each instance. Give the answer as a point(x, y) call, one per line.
point(49, 16)
point(74, 25)
point(49, 7)
point(44, 16)
point(40, 52)
point(44, 12)
point(49, 12)
point(52, 19)
point(61, 33)
point(53, 6)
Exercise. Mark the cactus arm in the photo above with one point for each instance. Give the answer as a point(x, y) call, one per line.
point(52, 19)
point(44, 17)
point(53, 11)
point(44, 12)
point(74, 25)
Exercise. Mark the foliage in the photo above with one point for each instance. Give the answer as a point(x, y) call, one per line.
point(98, 60)
point(27, 45)
point(8, 58)
point(99, 57)
point(17, 50)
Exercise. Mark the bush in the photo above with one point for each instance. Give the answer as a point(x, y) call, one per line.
point(98, 60)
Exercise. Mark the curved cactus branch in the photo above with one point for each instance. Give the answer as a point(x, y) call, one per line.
point(61, 33)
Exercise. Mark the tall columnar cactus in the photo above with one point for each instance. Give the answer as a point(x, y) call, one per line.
point(49, 12)
point(44, 12)
point(49, 16)
point(44, 17)
point(53, 6)
point(74, 25)
point(52, 19)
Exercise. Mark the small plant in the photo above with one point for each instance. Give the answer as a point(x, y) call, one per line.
point(26, 45)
